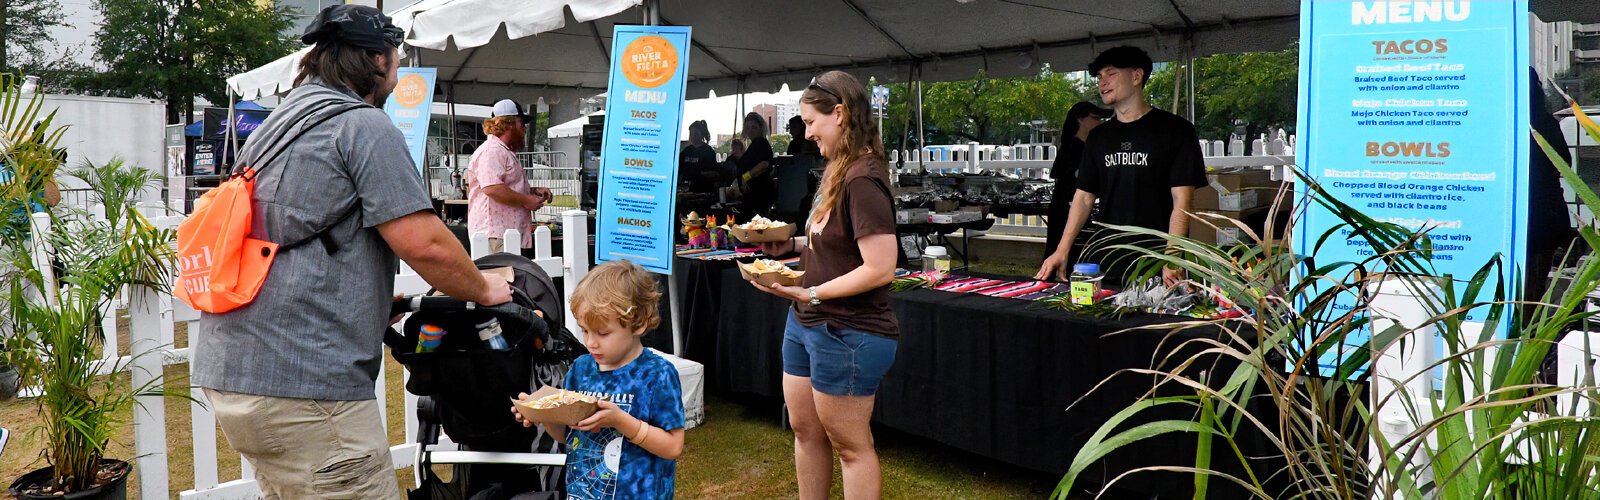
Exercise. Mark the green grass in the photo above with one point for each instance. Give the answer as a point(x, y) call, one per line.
point(1004, 268)
point(739, 452)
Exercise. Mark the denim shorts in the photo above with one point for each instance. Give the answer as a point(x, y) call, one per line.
point(839, 361)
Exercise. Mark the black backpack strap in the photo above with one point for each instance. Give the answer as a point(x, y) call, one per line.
point(325, 234)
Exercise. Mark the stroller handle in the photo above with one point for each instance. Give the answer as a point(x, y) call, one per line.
point(417, 303)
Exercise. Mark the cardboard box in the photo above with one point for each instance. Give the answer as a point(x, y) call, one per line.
point(1222, 235)
point(1235, 201)
point(954, 217)
point(1235, 191)
point(911, 216)
point(568, 415)
point(1225, 232)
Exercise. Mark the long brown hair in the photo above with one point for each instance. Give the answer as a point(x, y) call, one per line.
point(345, 65)
point(755, 125)
point(860, 138)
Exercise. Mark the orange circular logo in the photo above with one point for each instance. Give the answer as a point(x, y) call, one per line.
point(649, 61)
point(411, 91)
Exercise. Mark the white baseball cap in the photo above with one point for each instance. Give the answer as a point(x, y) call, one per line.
point(507, 107)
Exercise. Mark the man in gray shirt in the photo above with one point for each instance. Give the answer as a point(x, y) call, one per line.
point(291, 375)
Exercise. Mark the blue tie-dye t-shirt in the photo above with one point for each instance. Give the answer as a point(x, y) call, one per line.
point(18, 216)
point(603, 464)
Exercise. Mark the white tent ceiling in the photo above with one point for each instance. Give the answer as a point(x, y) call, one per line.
point(770, 43)
point(487, 49)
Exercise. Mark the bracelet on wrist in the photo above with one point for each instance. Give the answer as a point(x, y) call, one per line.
point(638, 437)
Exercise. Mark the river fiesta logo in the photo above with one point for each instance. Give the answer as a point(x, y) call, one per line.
point(649, 61)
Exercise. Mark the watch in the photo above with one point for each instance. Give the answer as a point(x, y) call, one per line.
point(814, 300)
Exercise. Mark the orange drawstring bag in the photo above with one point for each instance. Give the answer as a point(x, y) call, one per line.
point(220, 267)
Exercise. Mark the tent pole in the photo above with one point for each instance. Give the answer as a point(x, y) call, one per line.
point(905, 120)
point(451, 154)
point(652, 17)
point(652, 12)
point(922, 131)
point(1191, 71)
point(230, 134)
point(738, 86)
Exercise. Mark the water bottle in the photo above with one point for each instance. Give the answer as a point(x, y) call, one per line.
point(428, 338)
point(1086, 283)
point(489, 331)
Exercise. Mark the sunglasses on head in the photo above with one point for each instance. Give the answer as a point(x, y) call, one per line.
point(816, 85)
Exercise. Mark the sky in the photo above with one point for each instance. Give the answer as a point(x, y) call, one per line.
point(85, 20)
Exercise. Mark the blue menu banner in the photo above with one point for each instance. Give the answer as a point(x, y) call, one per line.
point(411, 106)
point(1415, 112)
point(639, 156)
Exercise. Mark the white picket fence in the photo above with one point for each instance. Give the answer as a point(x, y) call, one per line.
point(153, 317)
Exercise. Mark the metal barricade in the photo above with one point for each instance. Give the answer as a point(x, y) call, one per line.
point(543, 159)
point(79, 198)
point(564, 184)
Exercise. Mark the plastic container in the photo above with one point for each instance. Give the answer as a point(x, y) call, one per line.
point(1086, 283)
point(934, 258)
point(428, 338)
point(490, 332)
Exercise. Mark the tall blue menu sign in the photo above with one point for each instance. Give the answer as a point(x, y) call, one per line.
point(639, 157)
point(1416, 112)
point(410, 106)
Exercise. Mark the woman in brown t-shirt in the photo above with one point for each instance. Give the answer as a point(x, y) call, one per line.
point(840, 338)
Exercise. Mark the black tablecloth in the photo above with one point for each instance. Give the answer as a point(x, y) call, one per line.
point(700, 291)
point(987, 375)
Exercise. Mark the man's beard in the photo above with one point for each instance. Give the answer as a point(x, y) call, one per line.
point(381, 95)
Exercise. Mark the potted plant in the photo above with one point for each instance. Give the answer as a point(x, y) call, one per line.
point(9, 378)
point(1492, 430)
point(53, 332)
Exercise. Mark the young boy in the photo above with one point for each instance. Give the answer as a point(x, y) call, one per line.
point(630, 447)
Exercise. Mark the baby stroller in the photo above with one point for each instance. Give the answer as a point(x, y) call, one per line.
point(465, 388)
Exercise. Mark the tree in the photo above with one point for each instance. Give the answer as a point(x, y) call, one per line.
point(1591, 87)
point(779, 142)
point(25, 28)
point(987, 110)
point(1246, 93)
point(964, 109)
point(1253, 90)
point(1044, 98)
point(179, 49)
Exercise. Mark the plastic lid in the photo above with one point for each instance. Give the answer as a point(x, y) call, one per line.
point(934, 251)
point(1086, 268)
point(432, 329)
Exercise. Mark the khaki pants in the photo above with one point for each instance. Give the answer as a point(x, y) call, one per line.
point(304, 448)
point(497, 245)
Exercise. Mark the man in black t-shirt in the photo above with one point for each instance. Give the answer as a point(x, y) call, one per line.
point(1142, 166)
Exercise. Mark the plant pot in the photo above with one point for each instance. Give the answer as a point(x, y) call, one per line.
point(9, 382)
point(114, 489)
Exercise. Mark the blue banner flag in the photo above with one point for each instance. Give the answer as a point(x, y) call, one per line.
point(639, 156)
point(410, 106)
point(1415, 112)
